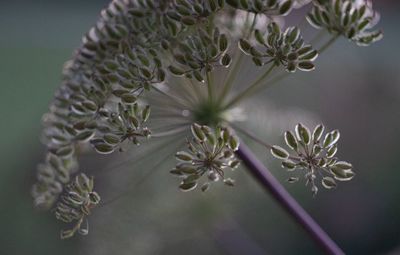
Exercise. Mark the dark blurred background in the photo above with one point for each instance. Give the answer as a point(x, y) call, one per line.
point(355, 89)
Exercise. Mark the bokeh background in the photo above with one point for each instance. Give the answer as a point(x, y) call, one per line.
point(354, 89)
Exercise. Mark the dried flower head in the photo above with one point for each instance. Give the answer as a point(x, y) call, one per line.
point(126, 125)
point(209, 153)
point(199, 54)
point(281, 48)
point(314, 155)
point(76, 204)
point(351, 19)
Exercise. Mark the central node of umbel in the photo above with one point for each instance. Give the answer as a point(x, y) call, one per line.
point(208, 114)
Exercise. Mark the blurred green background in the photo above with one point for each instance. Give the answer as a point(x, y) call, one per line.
point(354, 89)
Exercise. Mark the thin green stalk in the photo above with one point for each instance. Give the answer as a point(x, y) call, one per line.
point(250, 89)
point(256, 139)
point(172, 97)
point(191, 96)
point(132, 186)
point(318, 37)
point(328, 43)
point(251, 136)
point(170, 132)
point(233, 72)
point(196, 90)
point(210, 88)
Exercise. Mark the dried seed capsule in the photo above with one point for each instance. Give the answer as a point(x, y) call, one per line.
point(183, 156)
point(279, 152)
point(290, 140)
point(328, 183)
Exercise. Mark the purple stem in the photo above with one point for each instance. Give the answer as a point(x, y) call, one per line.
point(268, 181)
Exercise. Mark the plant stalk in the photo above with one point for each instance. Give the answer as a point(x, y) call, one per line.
point(234, 70)
point(250, 89)
point(289, 204)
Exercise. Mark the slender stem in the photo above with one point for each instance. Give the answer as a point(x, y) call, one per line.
point(328, 43)
point(172, 97)
point(251, 136)
point(251, 88)
point(196, 89)
point(268, 181)
point(188, 93)
point(318, 37)
point(233, 72)
point(209, 87)
point(170, 132)
point(133, 186)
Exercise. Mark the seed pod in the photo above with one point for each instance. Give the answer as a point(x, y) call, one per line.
point(226, 60)
point(85, 135)
point(191, 178)
point(245, 46)
point(328, 183)
point(197, 132)
point(205, 187)
point(303, 134)
point(259, 37)
point(94, 198)
point(65, 151)
point(292, 35)
point(176, 71)
point(292, 179)
point(111, 139)
point(183, 156)
point(290, 165)
point(197, 75)
point(229, 182)
point(188, 186)
point(187, 169)
point(104, 148)
point(223, 43)
point(331, 151)
point(128, 98)
point(146, 113)
point(213, 176)
point(290, 140)
point(306, 66)
point(234, 164)
point(343, 165)
point(279, 152)
point(257, 61)
point(65, 234)
point(234, 143)
point(189, 21)
point(331, 139)
point(317, 133)
point(225, 135)
point(314, 190)
point(285, 7)
point(316, 150)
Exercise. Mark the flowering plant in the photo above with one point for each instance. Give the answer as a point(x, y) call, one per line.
point(146, 62)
